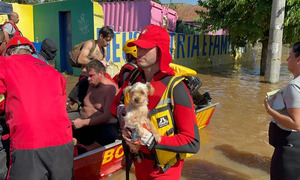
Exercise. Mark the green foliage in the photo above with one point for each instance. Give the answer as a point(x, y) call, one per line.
point(292, 22)
point(248, 21)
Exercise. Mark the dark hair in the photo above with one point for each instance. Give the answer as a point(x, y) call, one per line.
point(97, 65)
point(106, 31)
point(296, 49)
point(130, 58)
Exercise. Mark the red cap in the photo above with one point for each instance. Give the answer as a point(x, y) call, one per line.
point(153, 36)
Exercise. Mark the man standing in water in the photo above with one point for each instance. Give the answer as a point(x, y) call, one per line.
point(161, 160)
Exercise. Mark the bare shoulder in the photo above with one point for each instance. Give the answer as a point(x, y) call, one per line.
point(88, 44)
point(111, 87)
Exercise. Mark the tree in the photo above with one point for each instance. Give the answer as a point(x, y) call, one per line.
point(248, 21)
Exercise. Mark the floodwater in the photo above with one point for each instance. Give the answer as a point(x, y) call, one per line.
point(234, 146)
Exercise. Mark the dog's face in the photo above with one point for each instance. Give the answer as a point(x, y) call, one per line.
point(138, 93)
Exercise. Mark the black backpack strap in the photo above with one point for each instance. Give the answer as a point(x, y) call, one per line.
point(133, 76)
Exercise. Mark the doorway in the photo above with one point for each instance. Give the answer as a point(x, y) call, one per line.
point(65, 39)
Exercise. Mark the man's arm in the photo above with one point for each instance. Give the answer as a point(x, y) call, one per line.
point(7, 29)
point(6, 36)
point(104, 58)
point(83, 58)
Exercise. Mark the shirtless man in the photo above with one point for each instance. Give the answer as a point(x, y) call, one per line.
point(94, 126)
point(106, 34)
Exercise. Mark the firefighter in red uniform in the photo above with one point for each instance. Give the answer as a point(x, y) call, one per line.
point(171, 109)
point(130, 55)
point(10, 28)
point(33, 96)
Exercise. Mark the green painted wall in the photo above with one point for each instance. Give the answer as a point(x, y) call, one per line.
point(46, 23)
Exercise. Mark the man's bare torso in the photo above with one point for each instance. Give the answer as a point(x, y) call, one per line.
point(96, 99)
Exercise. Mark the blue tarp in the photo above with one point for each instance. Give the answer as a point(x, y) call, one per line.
point(5, 8)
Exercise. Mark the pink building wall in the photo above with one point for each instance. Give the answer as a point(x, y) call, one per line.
point(126, 16)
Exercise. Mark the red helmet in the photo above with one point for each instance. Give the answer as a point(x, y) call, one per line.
point(17, 41)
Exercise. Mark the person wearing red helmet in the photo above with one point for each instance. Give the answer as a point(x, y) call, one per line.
point(33, 97)
point(17, 45)
point(130, 55)
point(171, 109)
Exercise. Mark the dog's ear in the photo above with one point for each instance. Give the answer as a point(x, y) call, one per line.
point(150, 88)
point(126, 89)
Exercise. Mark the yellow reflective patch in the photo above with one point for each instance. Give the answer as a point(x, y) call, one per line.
point(2, 97)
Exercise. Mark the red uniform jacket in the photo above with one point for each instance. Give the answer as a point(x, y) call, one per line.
point(35, 103)
point(187, 138)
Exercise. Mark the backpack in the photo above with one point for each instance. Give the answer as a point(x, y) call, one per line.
point(74, 53)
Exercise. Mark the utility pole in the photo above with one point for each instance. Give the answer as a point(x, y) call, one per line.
point(275, 42)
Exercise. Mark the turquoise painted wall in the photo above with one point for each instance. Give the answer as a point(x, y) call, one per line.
point(47, 19)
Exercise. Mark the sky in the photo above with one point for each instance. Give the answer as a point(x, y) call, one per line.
point(192, 2)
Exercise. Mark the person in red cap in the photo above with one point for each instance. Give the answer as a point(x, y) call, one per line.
point(171, 110)
point(33, 96)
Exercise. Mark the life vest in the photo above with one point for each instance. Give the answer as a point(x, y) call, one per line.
point(182, 70)
point(17, 33)
point(162, 119)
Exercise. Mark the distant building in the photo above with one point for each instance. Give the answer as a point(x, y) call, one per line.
point(186, 23)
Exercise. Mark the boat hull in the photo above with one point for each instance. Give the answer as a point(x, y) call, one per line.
point(99, 163)
point(104, 161)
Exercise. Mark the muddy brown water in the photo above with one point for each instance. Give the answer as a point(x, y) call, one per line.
point(234, 146)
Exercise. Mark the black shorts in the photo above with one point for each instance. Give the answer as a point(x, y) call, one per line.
point(53, 163)
point(3, 167)
point(103, 134)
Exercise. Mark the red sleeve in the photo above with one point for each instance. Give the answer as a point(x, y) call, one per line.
point(2, 84)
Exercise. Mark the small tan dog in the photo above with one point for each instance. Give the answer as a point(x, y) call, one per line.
point(137, 110)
